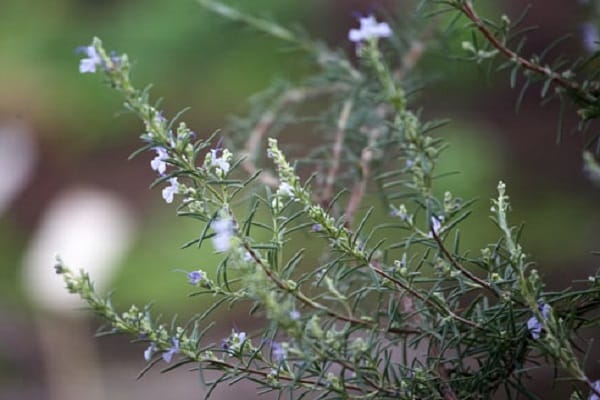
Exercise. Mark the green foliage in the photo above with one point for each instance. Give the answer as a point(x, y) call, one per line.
point(392, 310)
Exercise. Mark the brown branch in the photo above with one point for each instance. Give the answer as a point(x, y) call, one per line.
point(467, 9)
point(474, 278)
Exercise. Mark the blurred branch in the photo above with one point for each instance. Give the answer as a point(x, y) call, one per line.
point(417, 50)
point(358, 191)
point(337, 152)
point(261, 128)
point(323, 55)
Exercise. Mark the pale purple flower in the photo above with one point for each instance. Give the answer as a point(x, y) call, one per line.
point(369, 29)
point(224, 230)
point(159, 119)
point(149, 351)
point(295, 315)
point(534, 326)
point(596, 386)
point(317, 227)
point(158, 163)
point(171, 190)
point(279, 352)
point(219, 162)
point(400, 212)
point(168, 355)
point(234, 342)
point(93, 60)
point(436, 225)
point(590, 37)
point(196, 277)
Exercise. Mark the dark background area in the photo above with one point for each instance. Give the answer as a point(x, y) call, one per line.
point(63, 133)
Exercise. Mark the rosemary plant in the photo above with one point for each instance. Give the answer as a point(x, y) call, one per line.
point(411, 315)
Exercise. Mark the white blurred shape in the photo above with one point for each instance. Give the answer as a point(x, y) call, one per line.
point(90, 229)
point(18, 154)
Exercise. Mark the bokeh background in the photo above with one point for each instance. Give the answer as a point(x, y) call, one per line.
point(66, 184)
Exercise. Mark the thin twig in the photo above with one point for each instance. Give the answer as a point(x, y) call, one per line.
point(317, 306)
point(358, 191)
point(445, 388)
point(266, 373)
point(338, 145)
point(423, 298)
point(467, 9)
point(417, 49)
point(474, 278)
point(257, 134)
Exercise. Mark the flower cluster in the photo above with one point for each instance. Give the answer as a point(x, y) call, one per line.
point(234, 343)
point(221, 164)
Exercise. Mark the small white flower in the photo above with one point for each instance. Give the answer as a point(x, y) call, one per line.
point(158, 163)
point(234, 342)
point(224, 231)
point(221, 163)
point(241, 337)
point(285, 189)
point(171, 190)
point(369, 28)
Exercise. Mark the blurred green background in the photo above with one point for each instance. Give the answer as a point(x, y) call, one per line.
point(80, 137)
